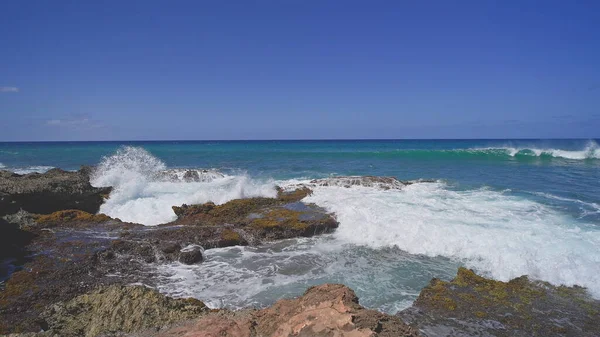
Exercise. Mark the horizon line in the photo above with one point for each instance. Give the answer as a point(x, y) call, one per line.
point(283, 139)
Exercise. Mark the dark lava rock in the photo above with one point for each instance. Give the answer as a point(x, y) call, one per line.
point(471, 305)
point(191, 176)
point(49, 192)
point(75, 251)
point(191, 255)
point(253, 220)
point(13, 252)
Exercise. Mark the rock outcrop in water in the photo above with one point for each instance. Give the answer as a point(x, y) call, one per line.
point(384, 183)
point(49, 192)
point(76, 251)
point(72, 284)
point(183, 175)
point(471, 305)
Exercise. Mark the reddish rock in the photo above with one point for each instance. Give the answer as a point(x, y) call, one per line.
point(329, 310)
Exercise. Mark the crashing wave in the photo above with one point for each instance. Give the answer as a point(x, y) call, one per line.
point(188, 175)
point(502, 235)
point(384, 183)
point(144, 189)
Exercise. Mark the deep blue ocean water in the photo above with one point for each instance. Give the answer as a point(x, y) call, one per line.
point(503, 207)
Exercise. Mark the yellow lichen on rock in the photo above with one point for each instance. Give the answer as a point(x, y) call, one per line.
point(280, 217)
point(71, 215)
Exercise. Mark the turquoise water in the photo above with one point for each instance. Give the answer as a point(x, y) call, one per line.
point(565, 168)
point(503, 207)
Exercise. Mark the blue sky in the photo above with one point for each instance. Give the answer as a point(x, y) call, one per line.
point(291, 69)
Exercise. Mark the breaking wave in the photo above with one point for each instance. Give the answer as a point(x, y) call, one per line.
point(496, 233)
point(591, 151)
point(144, 189)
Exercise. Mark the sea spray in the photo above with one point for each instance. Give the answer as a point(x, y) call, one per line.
point(141, 194)
point(501, 235)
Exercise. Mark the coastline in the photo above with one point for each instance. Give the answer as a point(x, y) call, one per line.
point(73, 249)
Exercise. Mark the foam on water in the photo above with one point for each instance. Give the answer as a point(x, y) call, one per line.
point(142, 194)
point(239, 277)
point(501, 235)
point(590, 151)
point(32, 169)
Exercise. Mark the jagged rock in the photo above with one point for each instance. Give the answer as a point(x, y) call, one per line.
point(323, 311)
point(117, 308)
point(49, 192)
point(191, 254)
point(76, 251)
point(293, 195)
point(191, 176)
point(183, 175)
point(471, 305)
point(254, 220)
point(384, 183)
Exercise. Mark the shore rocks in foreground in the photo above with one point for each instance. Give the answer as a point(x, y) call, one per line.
point(49, 192)
point(75, 251)
point(471, 305)
point(118, 309)
point(326, 310)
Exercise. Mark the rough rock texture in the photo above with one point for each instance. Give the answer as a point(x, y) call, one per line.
point(69, 258)
point(253, 220)
point(471, 305)
point(49, 192)
point(13, 253)
point(76, 251)
point(323, 311)
point(183, 175)
point(117, 308)
point(191, 254)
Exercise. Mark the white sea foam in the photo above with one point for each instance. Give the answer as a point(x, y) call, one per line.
point(32, 169)
point(495, 233)
point(2, 166)
point(590, 151)
point(238, 277)
point(141, 193)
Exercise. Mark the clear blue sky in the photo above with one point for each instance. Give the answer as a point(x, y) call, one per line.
point(289, 69)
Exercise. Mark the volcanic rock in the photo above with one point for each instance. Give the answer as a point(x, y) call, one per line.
point(471, 305)
point(49, 192)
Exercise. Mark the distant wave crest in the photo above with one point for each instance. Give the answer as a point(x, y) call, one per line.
point(591, 151)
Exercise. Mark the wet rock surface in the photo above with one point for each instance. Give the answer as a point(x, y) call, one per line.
point(75, 251)
point(384, 183)
point(49, 192)
point(75, 265)
point(191, 255)
point(471, 305)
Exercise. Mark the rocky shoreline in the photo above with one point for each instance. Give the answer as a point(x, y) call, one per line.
point(70, 272)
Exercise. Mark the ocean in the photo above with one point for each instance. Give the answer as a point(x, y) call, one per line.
point(505, 208)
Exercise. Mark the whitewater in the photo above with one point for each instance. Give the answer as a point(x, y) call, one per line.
point(504, 208)
point(438, 227)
